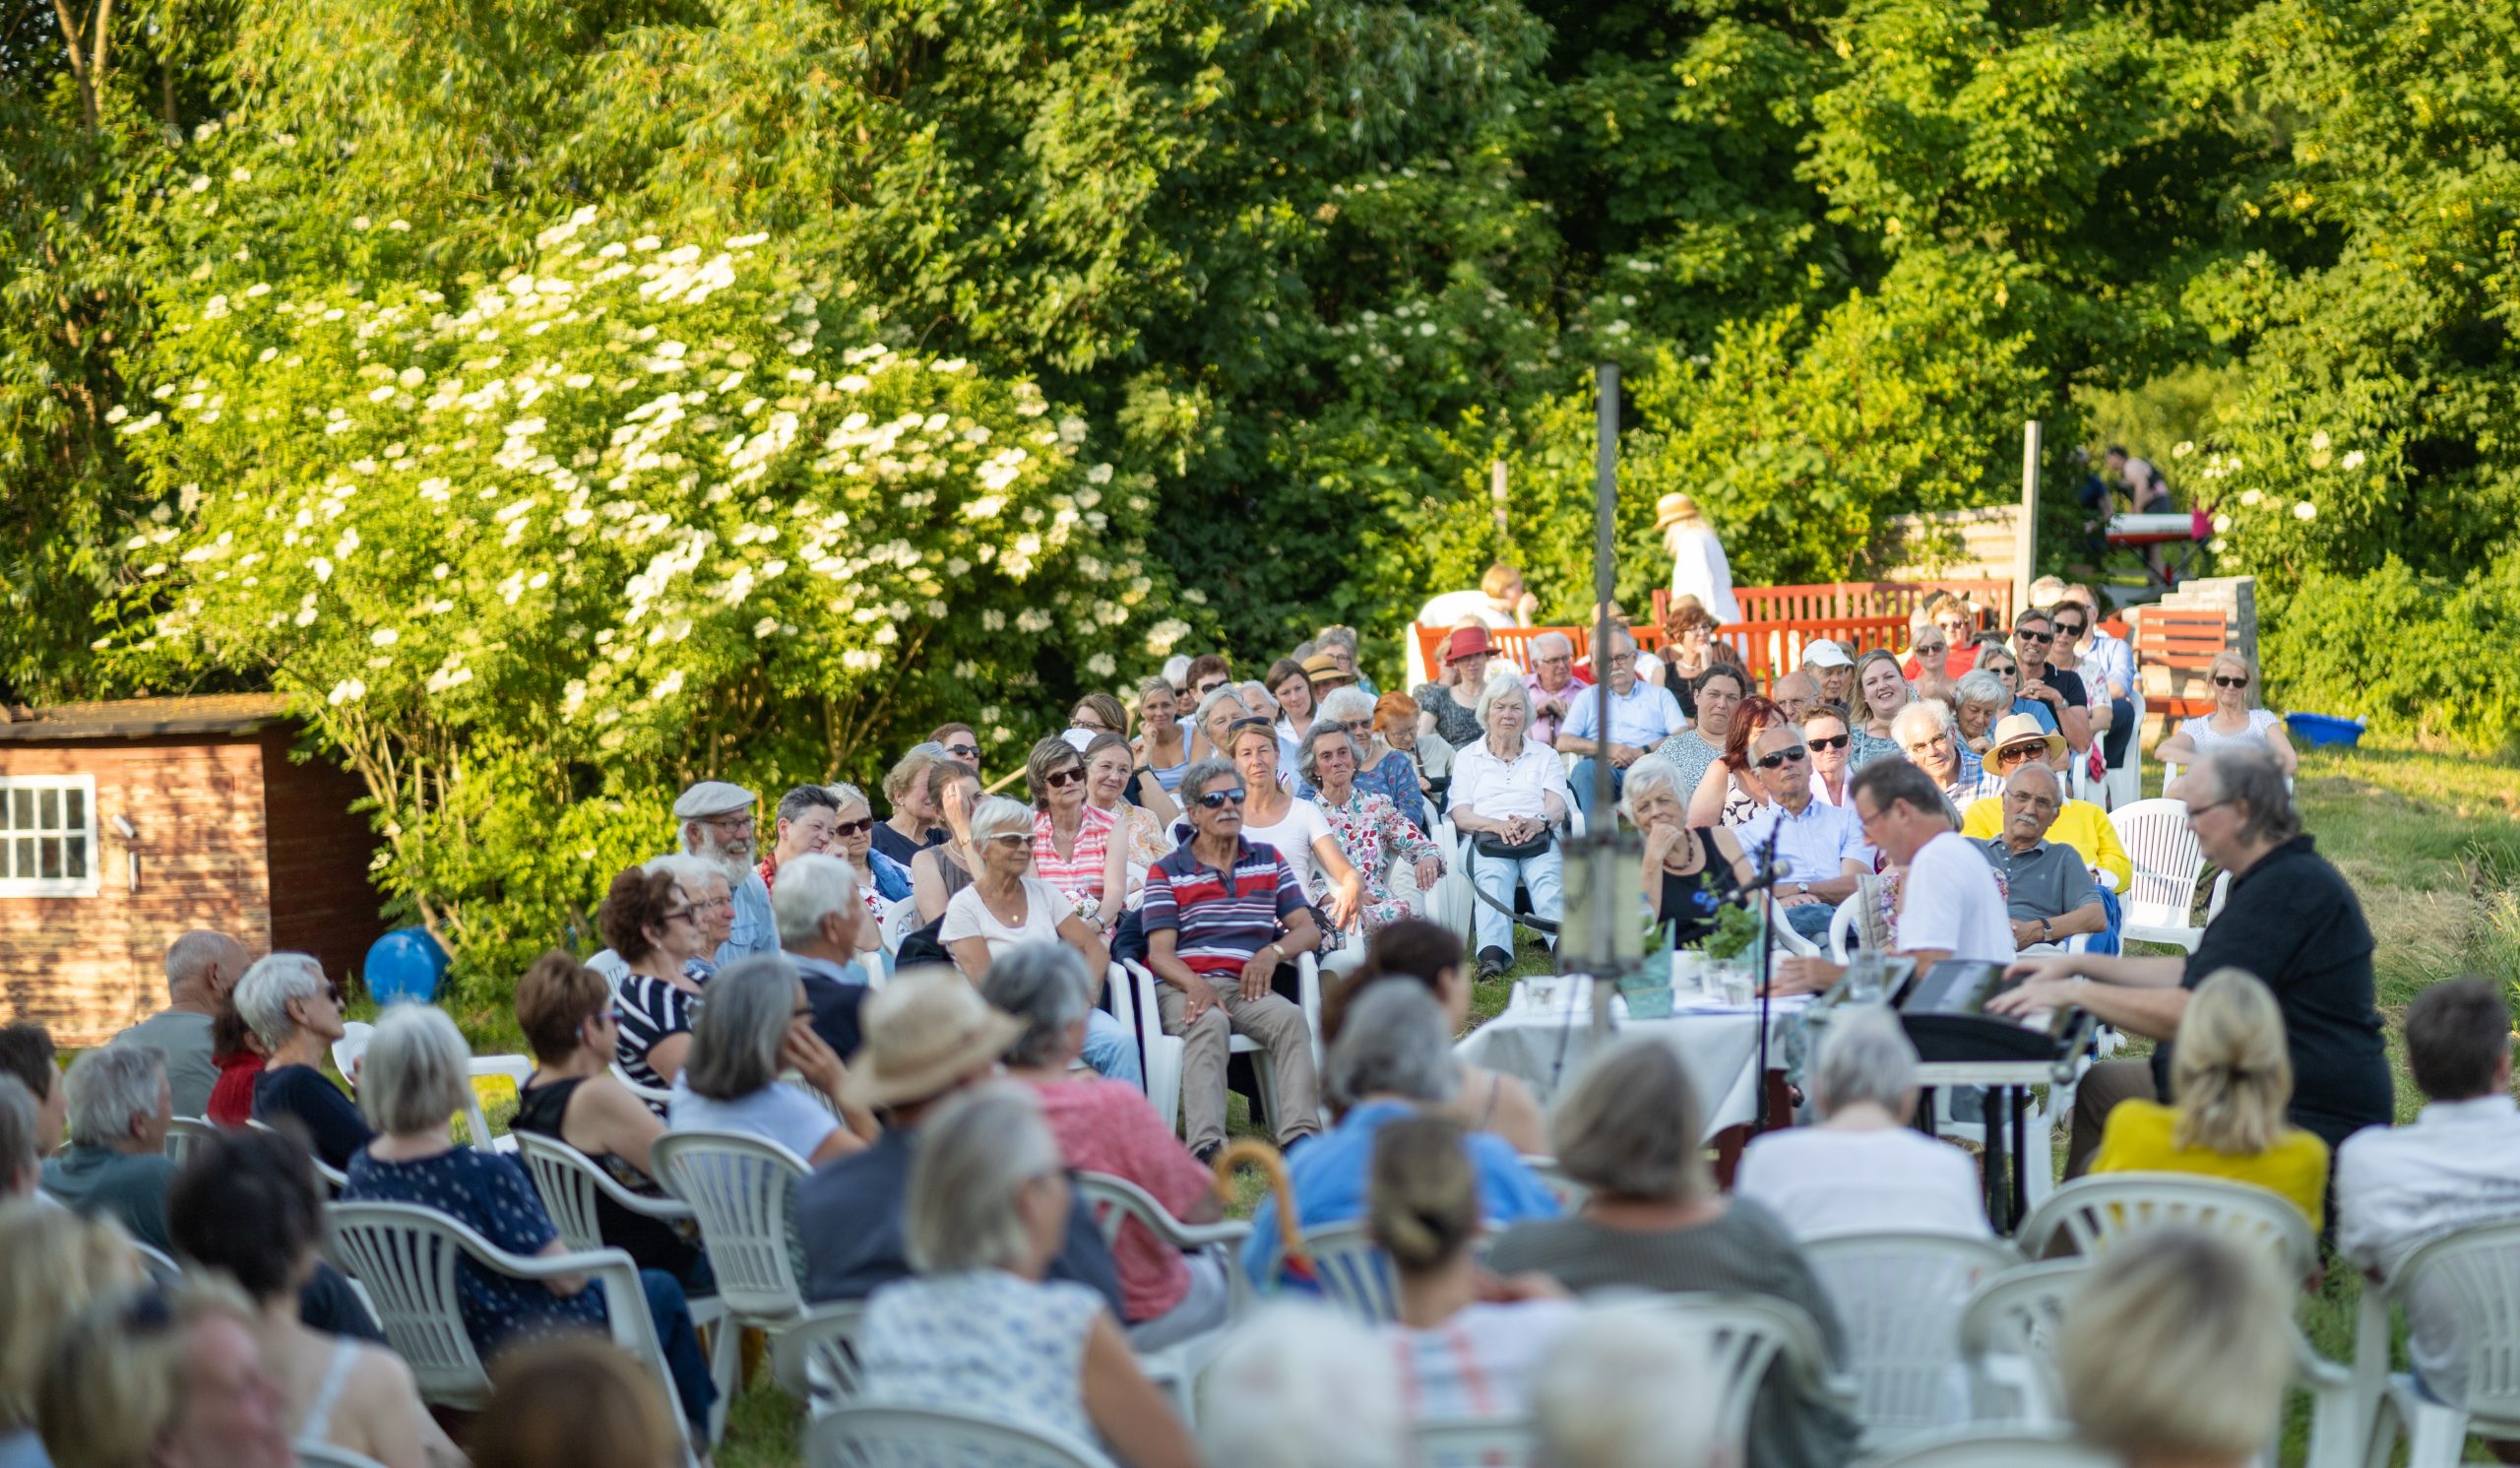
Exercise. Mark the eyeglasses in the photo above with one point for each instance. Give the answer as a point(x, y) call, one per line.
point(1094, 726)
point(729, 823)
point(2220, 682)
point(801, 1011)
point(963, 751)
point(1012, 838)
point(1835, 741)
point(2193, 811)
point(678, 915)
point(1062, 779)
point(1207, 689)
point(1217, 799)
point(851, 828)
point(1792, 756)
point(2024, 634)
point(2072, 630)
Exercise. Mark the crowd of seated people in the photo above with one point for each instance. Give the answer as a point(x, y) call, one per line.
point(916, 1006)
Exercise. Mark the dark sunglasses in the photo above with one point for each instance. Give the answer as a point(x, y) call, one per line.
point(851, 828)
point(1207, 689)
point(1062, 779)
point(1252, 720)
point(2024, 634)
point(963, 751)
point(1216, 799)
point(2220, 682)
point(1833, 741)
point(1792, 756)
point(2072, 629)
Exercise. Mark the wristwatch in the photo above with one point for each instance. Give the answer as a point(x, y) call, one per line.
point(1801, 889)
point(2045, 932)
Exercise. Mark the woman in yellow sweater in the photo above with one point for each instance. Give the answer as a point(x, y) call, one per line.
point(2233, 1078)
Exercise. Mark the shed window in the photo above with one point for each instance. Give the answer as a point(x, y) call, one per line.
point(48, 836)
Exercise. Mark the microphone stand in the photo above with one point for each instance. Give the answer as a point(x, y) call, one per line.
point(1767, 875)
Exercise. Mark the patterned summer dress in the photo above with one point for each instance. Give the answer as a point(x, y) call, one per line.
point(1375, 838)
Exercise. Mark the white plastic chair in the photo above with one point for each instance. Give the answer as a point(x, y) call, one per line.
point(1114, 1201)
point(657, 1098)
point(2009, 1327)
point(1352, 1273)
point(1164, 1052)
point(333, 1178)
point(161, 1266)
point(740, 1187)
point(815, 1356)
point(1840, 929)
point(923, 1437)
point(1487, 1441)
point(184, 1135)
point(2168, 864)
point(1999, 1447)
point(408, 1259)
point(1899, 1296)
point(2124, 783)
point(346, 1051)
point(899, 922)
point(2473, 1276)
point(1747, 1336)
point(515, 1070)
point(570, 1186)
point(2086, 1215)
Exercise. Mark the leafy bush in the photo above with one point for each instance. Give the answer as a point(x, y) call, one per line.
point(2413, 653)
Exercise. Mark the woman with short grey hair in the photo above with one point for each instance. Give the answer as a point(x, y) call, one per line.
point(1372, 834)
point(1509, 797)
point(979, 1328)
point(1110, 1126)
point(296, 1013)
point(1863, 1169)
point(1627, 1388)
point(756, 1024)
point(1632, 1129)
point(1977, 700)
point(412, 1081)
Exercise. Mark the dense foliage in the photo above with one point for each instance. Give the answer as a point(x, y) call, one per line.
point(1278, 280)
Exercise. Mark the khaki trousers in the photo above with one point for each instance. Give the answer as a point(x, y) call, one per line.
point(1277, 1024)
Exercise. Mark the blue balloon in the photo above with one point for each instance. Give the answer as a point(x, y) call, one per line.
point(406, 964)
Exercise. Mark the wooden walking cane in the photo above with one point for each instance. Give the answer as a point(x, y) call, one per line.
point(1292, 1259)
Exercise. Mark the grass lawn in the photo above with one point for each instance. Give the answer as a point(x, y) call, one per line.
point(2431, 842)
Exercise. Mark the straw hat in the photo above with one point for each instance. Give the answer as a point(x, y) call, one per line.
point(2021, 729)
point(924, 1033)
point(1321, 668)
point(1671, 509)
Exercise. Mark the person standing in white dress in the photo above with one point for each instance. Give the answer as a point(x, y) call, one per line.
point(1698, 566)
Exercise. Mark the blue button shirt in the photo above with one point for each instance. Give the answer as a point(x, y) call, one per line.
point(1812, 846)
point(1645, 718)
point(1327, 1174)
point(754, 929)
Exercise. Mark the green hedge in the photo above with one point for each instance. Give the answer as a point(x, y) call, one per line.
point(2415, 654)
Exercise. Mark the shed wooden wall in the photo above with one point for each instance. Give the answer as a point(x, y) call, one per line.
point(223, 824)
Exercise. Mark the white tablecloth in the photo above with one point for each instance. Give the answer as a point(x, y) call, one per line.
point(1548, 1049)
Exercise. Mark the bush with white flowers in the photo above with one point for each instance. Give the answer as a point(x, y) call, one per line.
point(534, 551)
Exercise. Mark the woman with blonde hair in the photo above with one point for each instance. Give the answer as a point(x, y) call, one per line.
point(2230, 1079)
point(1162, 745)
point(149, 1378)
point(1884, 691)
point(2178, 1351)
point(946, 868)
point(52, 1262)
point(1467, 1346)
point(1143, 818)
point(2235, 720)
point(911, 827)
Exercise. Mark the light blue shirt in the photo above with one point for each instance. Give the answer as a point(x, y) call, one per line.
point(2113, 662)
point(1645, 718)
point(1812, 846)
point(1328, 1175)
point(754, 929)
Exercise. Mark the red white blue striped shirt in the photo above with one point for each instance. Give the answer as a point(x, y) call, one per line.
point(1219, 922)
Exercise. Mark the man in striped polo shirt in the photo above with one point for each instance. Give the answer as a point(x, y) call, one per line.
point(1221, 915)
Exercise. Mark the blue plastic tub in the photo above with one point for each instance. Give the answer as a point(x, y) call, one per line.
point(2324, 729)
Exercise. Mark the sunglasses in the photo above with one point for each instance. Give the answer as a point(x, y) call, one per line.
point(1012, 838)
point(1792, 756)
point(852, 828)
point(2220, 682)
point(2011, 752)
point(963, 751)
point(678, 915)
point(2072, 629)
point(1207, 689)
point(1062, 779)
point(2024, 634)
point(1252, 720)
point(1217, 799)
point(1833, 741)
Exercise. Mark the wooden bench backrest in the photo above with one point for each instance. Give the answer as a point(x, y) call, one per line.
point(2183, 642)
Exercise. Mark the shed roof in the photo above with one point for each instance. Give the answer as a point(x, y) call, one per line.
point(143, 718)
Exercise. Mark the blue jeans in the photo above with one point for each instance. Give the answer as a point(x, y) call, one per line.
point(1495, 877)
point(1111, 1049)
point(1581, 778)
point(1811, 919)
point(685, 1362)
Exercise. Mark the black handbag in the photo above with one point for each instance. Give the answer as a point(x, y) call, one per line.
point(1489, 844)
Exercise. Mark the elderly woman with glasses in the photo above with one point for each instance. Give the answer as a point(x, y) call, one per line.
point(1977, 700)
point(2234, 722)
point(1108, 1127)
point(1005, 905)
point(565, 1009)
point(650, 922)
point(416, 1078)
point(756, 1025)
point(1217, 711)
point(852, 836)
point(1076, 848)
point(1997, 661)
point(1509, 797)
point(296, 1013)
point(1400, 723)
point(1370, 831)
point(1381, 769)
point(1689, 871)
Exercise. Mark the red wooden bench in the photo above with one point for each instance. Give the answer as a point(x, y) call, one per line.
point(2184, 643)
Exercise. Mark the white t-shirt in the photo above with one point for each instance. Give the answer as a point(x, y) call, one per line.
point(967, 916)
point(1293, 836)
point(1821, 1182)
point(1950, 901)
point(779, 1111)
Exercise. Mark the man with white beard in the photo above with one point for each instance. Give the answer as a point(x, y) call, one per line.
point(715, 824)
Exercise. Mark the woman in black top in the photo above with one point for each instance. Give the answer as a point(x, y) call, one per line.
point(1690, 872)
point(573, 1097)
point(298, 1014)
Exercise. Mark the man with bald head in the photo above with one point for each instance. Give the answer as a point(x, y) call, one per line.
point(1796, 693)
point(2049, 890)
point(202, 966)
